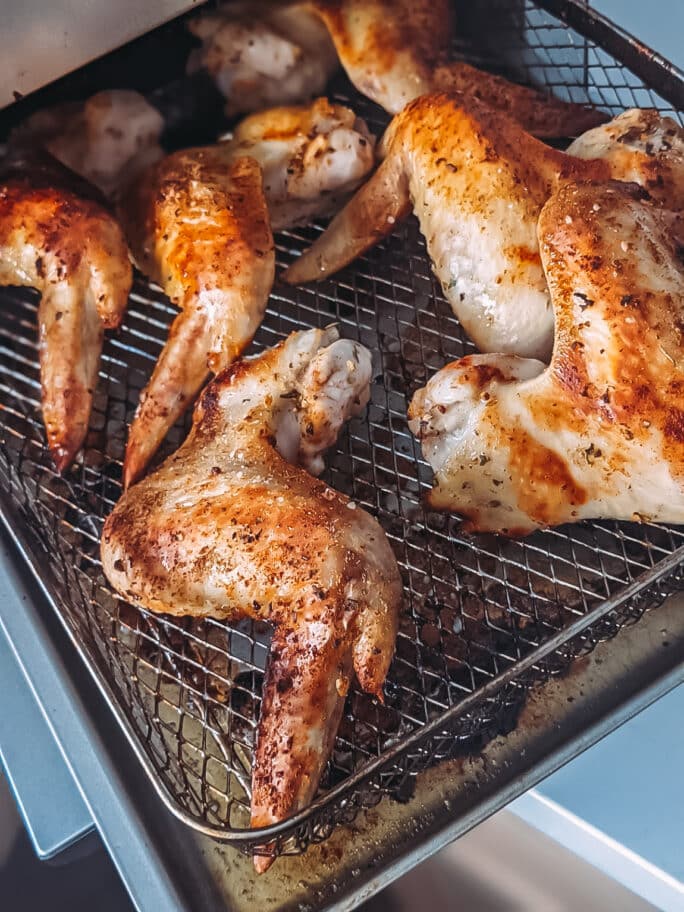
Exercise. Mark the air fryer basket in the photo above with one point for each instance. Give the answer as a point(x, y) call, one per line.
point(484, 618)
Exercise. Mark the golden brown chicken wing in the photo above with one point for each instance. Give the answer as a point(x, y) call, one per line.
point(388, 48)
point(477, 182)
point(198, 225)
point(57, 236)
point(599, 433)
point(537, 112)
point(231, 526)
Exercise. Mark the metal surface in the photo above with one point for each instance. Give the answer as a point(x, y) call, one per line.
point(168, 866)
point(46, 795)
point(40, 42)
point(484, 619)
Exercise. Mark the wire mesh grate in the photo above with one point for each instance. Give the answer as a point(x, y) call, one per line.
point(483, 617)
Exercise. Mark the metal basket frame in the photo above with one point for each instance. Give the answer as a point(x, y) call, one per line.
point(485, 619)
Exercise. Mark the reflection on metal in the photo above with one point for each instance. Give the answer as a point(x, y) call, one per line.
point(39, 42)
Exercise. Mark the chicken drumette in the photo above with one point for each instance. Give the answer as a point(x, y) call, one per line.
point(57, 236)
point(232, 525)
point(263, 53)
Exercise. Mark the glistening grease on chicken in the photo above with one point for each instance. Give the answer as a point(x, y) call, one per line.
point(198, 225)
point(263, 53)
point(58, 237)
point(599, 433)
point(477, 183)
point(233, 525)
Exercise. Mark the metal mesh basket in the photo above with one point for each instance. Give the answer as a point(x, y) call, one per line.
point(483, 619)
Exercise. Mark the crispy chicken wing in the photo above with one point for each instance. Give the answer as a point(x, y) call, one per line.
point(312, 157)
point(263, 54)
point(388, 48)
point(641, 146)
point(600, 432)
point(537, 112)
point(108, 139)
point(198, 225)
point(56, 236)
point(230, 526)
point(477, 183)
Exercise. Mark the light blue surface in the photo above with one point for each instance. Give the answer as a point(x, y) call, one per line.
point(54, 814)
point(631, 785)
point(99, 779)
point(659, 24)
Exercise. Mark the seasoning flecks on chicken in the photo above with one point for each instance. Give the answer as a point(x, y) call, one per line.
point(396, 50)
point(198, 225)
point(312, 157)
point(108, 139)
point(56, 236)
point(388, 48)
point(263, 54)
point(477, 183)
point(539, 113)
point(600, 432)
point(641, 146)
point(231, 526)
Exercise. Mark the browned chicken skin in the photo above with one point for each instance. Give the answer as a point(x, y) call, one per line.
point(396, 50)
point(599, 433)
point(56, 236)
point(393, 51)
point(198, 225)
point(388, 48)
point(537, 112)
point(230, 526)
point(477, 183)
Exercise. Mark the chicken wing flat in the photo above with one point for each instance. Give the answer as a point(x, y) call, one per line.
point(599, 433)
point(312, 157)
point(232, 525)
point(477, 183)
point(58, 237)
point(198, 225)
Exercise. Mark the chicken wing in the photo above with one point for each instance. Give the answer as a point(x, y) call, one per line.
point(396, 50)
point(388, 48)
point(477, 183)
point(230, 526)
point(537, 112)
point(641, 146)
point(107, 139)
point(263, 54)
point(599, 433)
point(56, 236)
point(198, 225)
point(312, 157)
